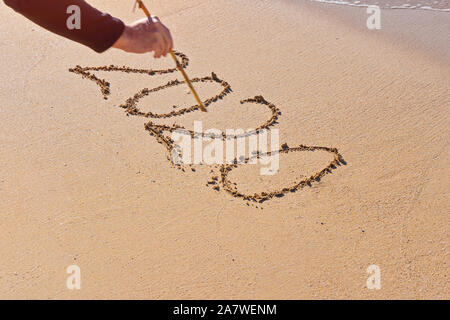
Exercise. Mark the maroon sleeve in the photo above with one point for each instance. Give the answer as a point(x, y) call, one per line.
point(98, 30)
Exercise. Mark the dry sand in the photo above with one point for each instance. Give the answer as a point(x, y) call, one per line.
point(81, 183)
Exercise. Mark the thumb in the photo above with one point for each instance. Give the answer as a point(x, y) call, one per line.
point(154, 19)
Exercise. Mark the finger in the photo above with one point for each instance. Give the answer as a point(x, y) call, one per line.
point(158, 53)
point(159, 46)
point(161, 37)
point(154, 19)
point(167, 38)
point(165, 33)
point(166, 45)
point(171, 40)
point(157, 50)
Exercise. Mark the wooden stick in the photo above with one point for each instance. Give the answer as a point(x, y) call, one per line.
point(179, 67)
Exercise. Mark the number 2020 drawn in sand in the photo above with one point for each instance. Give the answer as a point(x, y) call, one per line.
point(221, 181)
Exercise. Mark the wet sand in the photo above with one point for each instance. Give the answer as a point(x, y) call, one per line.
point(83, 183)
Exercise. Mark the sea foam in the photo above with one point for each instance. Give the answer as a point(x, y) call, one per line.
point(436, 5)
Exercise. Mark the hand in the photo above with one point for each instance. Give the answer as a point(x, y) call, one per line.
point(144, 36)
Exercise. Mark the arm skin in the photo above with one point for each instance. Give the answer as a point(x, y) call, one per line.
point(99, 31)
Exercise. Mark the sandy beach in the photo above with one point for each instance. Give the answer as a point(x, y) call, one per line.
point(82, 183)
